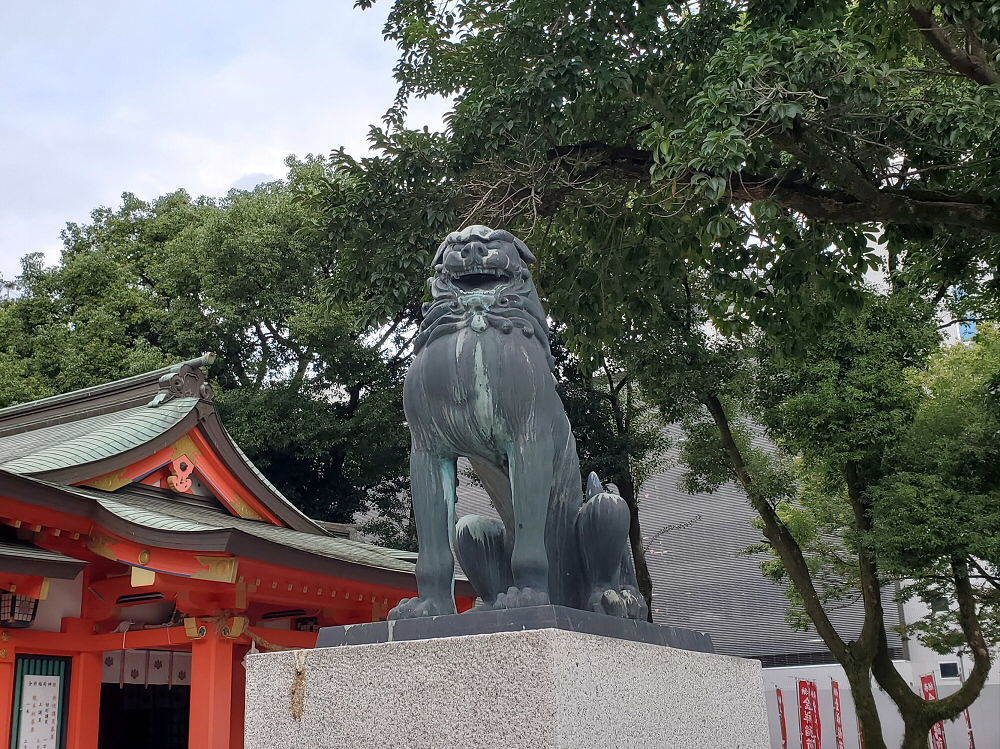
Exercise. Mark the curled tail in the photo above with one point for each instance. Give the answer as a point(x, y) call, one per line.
point(602, 526)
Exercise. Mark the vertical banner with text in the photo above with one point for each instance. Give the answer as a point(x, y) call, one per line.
point(809, 725)
point(838, 715)
point(781, 718)
point(814, 693)
point(968, 724)
point(929, 690)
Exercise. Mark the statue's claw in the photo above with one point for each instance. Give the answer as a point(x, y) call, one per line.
point(411, 608)
point(516, 598)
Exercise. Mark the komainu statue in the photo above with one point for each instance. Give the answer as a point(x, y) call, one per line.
point(481, 386)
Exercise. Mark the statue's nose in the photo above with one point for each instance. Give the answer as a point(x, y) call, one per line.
point(475, 251)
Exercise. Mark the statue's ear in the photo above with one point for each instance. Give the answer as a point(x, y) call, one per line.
point(439, 255)
point(523, 251)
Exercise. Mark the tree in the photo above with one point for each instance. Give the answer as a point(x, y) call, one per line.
point(939, 508)
point(851, 408)
point(784, 135)
point(151, 283)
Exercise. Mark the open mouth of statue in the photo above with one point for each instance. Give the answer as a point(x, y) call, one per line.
point(481, 279)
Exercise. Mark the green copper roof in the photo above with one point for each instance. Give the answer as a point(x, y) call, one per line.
point(95, 391)
point(177, 517)
point(24, 558)
point(12, 550)
point(60, 446)
point(84, 434)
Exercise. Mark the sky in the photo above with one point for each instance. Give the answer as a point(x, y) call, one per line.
point(97, 99)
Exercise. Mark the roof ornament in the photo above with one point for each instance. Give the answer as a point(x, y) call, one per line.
point(186, 380)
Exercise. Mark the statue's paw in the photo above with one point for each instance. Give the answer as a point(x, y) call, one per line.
point(516, 598)
point(411, 608)
point(625, 603)
point(635, 604)
point(610, 602)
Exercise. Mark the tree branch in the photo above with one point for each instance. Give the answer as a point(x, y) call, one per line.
point(871, 589)
point(970, 65)
point(910, 206)
point(992, 580)
point(777, 533)
point(968, 619)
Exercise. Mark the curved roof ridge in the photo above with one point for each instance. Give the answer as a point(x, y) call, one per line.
point(133, 386)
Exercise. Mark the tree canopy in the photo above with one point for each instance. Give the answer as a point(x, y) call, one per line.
point(155, 282)
point(775, 136)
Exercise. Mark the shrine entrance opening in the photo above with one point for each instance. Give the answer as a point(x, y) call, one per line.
point(145, 699)
point(153, 716)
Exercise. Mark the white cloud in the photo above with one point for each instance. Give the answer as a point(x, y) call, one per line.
point(148, 98)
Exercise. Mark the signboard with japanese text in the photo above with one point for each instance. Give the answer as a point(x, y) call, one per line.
point(809, 725)
point(39, 715)
point(814, 693)
point(928, 688)
point(41, 693)
point(781, 719)
point(838, 716)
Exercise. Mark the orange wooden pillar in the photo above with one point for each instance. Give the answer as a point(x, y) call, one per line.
point(6, 694)
point(211, 719)
point(239, 697)
point(84, 700)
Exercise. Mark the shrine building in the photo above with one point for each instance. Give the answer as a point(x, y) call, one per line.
point(142, 555)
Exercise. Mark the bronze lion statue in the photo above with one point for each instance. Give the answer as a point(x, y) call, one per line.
point(481, 386)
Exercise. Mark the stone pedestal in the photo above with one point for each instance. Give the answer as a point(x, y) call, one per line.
point(531, 689)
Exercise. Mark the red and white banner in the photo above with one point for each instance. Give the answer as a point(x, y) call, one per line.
point(814, 691)
point(809, 725)
point(929, 690)
point(838, 716)
point(781, 719)
point(968, 724)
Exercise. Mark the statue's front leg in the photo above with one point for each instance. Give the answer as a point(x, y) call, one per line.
point(432, 487)
point(531, 475)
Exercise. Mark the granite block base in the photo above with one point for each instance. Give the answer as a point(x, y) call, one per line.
point(531, 689)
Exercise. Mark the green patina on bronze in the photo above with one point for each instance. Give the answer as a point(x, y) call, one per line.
point(481, 387)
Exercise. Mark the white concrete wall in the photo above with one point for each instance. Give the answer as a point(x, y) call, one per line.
point(926, 661)
point(63, 601)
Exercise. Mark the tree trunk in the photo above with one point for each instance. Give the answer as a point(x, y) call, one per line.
point(915, 737)
point(864, 706)
point(626, 489)
point(869, 655)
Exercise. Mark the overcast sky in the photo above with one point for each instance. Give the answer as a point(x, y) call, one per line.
point(101, 98)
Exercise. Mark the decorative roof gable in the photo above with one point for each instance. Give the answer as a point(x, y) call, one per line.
point(121, 432)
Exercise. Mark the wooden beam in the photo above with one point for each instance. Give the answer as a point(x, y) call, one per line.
point(18, 514)
point(217, 567)
point(32, 586)
point(70, 643)
point(285, 638)
point(226, 487)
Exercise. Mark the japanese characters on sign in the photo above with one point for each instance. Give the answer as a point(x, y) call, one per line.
point(39, 719)
point(928, 688)
point(838, 715)
point(809, 723)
